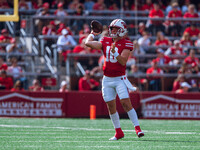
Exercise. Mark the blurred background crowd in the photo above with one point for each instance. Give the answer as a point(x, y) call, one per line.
point(166, 37)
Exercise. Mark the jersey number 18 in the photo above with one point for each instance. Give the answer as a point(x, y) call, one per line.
point(109, 56)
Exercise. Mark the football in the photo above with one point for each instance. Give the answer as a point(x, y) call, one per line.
point(96, 26)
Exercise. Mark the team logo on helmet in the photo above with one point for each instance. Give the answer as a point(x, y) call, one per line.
point(119, 23)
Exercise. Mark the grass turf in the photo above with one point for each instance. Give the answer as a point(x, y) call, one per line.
point(85, 134)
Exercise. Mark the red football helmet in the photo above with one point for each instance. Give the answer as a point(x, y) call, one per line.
point(119, 23)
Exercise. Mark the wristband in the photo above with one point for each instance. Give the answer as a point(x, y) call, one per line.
point(116, 54)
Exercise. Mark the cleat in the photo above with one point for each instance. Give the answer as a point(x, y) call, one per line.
point(140, 134)
point(118, 135)
point(139, 131)
point(114, 138)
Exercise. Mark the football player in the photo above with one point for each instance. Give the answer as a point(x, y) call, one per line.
point(116, 50)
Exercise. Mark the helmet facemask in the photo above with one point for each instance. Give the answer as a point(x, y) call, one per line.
point(114, 35)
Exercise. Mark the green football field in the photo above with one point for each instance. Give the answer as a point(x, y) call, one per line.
point(85, 134)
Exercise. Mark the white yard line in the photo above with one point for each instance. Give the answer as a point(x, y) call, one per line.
point(44, 146)
point(55, 137)
point(78, 141)
point(180, 133)
point(85, 146)
point(90, 129)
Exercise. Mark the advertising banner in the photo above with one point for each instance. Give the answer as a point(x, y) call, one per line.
point(27, 104)
point(74, 104)
point(171, 106)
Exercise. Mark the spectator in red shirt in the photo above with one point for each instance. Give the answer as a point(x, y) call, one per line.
point(86, 83)
point(4, 4)
point(49, 29)
point(162, 40)
point(37, 4)
point(3, 66)
point(99, 5)
point(192, 61)
point(177, 82)
point(154, 81)
point(36, 86)
point(175, 27)
point(162, 59)
point(5, 38)
point(191, 58)
point(156, 25)
point(192, 30)
point(147, 6)
point(5, 81)
point(81, 48)
point(190, 13)
point(17, 87)
point(61, 27)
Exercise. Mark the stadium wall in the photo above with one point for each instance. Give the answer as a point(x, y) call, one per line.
point(152, 105)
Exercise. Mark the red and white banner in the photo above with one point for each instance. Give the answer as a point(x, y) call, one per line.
point(169, 105)
point(158, 105)
point(25, 105)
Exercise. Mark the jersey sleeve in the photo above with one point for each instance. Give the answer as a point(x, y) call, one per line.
point(103, 41)
point(128, 45)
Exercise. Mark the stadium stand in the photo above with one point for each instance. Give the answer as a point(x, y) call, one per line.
point(41, 24)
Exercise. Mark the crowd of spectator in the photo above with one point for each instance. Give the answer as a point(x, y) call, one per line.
point(163, 22)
